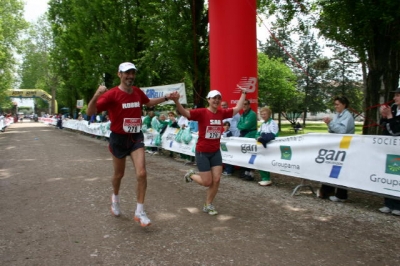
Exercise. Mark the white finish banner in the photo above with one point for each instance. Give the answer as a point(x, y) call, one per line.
point(162, 91)
point(369, 163)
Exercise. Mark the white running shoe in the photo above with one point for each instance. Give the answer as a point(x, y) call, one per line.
point(210, 209)
point(115, 209)
point(265, 183)
point(188, 176)
point(396, 212)
point(385, 210)
point(336, 199)
point(142, 219)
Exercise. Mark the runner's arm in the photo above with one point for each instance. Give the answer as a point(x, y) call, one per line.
point(180, 108)
point(167, 97)
point(92, 109)
point(239, 104)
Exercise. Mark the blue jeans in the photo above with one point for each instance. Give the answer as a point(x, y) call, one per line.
point(228, 168)
point(393, 204)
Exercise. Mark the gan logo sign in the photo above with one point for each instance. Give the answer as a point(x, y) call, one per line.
point(334, 157)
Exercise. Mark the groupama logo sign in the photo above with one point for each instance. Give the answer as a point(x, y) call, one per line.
point(392, 164)
point(286, 153)
point(223, 146)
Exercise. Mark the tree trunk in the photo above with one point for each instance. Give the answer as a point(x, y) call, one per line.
point(382, 79)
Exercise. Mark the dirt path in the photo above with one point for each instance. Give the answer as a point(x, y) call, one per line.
point(54, 210)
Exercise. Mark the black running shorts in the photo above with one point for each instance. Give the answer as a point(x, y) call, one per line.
point(121, 145)
point(206, 160)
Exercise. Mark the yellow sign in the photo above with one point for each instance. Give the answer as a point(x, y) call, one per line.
point(32, 94)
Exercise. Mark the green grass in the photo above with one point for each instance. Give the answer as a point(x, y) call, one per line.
point(311, 127)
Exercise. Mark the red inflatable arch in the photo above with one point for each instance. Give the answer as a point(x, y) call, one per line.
point(233, 49)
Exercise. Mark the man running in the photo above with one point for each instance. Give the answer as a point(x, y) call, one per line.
point(124, 106)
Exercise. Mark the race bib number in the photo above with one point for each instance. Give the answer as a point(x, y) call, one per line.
point(213, 132)
point(132, 125)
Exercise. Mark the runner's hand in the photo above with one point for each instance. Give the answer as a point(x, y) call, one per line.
point(174, 96)
point(101, 89)
point(244, 90)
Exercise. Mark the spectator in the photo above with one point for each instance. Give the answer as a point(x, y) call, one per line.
point(92, 119)
point(194, 129)
point(248, 129)
point(227, 168)
point(172, 122)
point(233, 121)
point(147, 125)
point(390, 123)
point(183, 122)
point(59, 121)
point(227, 132)
point(164, 123)
point(104, 117)
point(342, 123)
point(147, 119)
point(297, 127)
point(269, 129)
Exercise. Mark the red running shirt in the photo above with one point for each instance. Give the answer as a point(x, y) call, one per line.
point(210, 127)
point(124, 109)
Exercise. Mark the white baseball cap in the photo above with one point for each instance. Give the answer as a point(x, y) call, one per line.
point(126, 66)
point(213, 93)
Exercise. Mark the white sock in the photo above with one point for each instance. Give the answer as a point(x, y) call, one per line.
point(115, 198)
point(139, 208)
point(251, 174)
point(246, 172)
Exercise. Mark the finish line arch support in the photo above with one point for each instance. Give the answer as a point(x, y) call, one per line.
point(33, 93)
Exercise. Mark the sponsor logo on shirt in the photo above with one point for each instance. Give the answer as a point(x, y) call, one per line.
point(215, 122)
point(130, 105)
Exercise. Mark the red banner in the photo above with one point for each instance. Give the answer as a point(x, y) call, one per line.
point(233, 49)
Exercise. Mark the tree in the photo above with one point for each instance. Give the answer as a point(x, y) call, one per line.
point(343, 77)
point(11, 25)
point(276, 84)
point(178, 35)
point(370, 28)
point(167, 41)
point(279, 45)
point(37, 71)
point(310, 77)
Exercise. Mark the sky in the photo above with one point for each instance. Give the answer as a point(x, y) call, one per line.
point(34, 9)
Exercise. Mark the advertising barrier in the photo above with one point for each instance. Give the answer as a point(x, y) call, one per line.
point(369, 163)
point(162, 91)
point(5, 122)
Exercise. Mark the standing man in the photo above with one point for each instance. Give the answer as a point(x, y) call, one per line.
point(248, 129)
point(208, 153)
point(124, 105)
point(390, 123)
point(342, 123)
